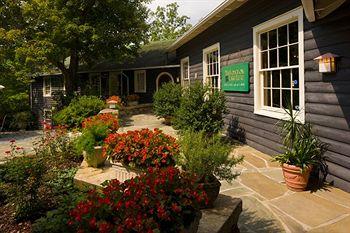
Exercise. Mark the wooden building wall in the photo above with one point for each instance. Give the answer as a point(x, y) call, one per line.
point(327, 97)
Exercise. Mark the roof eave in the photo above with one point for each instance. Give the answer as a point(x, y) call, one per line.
point(217, 14)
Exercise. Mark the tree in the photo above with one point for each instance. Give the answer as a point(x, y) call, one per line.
point(166, 24)
point(61, 34)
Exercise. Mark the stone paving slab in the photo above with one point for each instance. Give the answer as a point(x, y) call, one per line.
point(262, 185)
point(341, 226)
point(309, 209)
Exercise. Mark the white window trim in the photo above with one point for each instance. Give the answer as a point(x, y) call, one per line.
point(44, 86)
point(136, 72)
point(183, 61)
point(259, 108)
point(45, 79)
point(205, 52)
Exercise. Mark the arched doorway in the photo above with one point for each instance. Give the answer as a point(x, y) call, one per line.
point(163, 78)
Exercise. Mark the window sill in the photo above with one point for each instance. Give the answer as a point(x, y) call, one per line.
point(278, 114)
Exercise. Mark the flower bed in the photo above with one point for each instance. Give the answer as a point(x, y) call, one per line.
point(142, 149)
point(161, 200)
point(106, 119)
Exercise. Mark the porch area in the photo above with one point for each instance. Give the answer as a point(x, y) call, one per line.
point(268, 206)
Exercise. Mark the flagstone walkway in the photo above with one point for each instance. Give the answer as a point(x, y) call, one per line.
point(268, 206)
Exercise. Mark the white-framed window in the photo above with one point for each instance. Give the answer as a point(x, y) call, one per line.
point(140, 81)
point(52, 84)
point(211, 66)
point(185, 70)
point(279, 65)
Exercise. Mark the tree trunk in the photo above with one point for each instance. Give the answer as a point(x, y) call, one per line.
point(71, 74)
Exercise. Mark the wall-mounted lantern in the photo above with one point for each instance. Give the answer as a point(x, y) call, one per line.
point(327, 63)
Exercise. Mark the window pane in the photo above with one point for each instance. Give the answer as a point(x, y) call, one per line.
point(276, 98)
point(273, 58)
point(267, 97)
point(267, 79)
point(283, 56)
point(286, 79)
point(286, 101)
point(295, 77)
point(282, 35)
point(264, 60)
point(296, 104)
point(293, 55)
point(264, 41)
point(293, 32)
point(273, 38)
point(276, 79)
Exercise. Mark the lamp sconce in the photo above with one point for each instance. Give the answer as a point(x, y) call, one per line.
point(327, 63)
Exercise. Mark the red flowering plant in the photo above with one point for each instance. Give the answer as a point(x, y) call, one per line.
point(107, 119)
point(161, 200)
point(142, 148)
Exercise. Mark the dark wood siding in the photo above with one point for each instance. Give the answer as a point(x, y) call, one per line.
point(327, 97)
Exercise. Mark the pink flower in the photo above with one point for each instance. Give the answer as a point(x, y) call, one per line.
point(13, 140)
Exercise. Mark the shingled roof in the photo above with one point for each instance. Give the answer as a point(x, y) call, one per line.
point(154, 54)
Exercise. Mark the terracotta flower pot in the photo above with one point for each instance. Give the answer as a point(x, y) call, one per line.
point(212, 190)
point(96, 159)
point(296, 180)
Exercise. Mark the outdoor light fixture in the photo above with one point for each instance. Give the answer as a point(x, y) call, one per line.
point(1, 87)
point(327, 63)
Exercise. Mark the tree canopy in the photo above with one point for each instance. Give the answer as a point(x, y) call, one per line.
point(39, 35)
point(167, 24)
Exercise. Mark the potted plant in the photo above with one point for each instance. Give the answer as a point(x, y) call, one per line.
point(166, 101)
point(95, 131)
point(114, 102)
point(133, 100)
point(141, 149)
point(209, 158)
point(303, 151)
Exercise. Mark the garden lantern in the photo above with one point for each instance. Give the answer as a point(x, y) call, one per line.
point(327, 63)
point(1, 87)
point(112, 104)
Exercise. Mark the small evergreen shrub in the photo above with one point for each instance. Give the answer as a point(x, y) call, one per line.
point(207, 156)
point(79, 109)
point(201, 110)
point(166, 101)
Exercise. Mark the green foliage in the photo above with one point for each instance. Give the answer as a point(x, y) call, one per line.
point(167, 100)
point(167, 24)
point(201, 110)
point(79, 109)
point(38, 182)
point(207, 156)
point(302, 147)
point(91, 137)
point(46, 32)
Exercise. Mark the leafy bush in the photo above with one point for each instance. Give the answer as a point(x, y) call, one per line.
point(142, 148)
point(158, 201)
point(206, 156)
point(95, 130)
point(201, 110)
point(302, 147)
point(79, 109)
point(36, 183)
point(166, 101)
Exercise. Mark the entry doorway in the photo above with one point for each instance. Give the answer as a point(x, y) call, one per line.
point(164, 78)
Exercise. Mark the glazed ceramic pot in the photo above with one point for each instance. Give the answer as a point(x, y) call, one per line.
point(296, 179)
point(212, 190)
point(96, 159)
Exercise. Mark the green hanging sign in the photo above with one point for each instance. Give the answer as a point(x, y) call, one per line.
point(235, 77)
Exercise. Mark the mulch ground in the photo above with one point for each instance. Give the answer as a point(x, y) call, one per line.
point(8, 223)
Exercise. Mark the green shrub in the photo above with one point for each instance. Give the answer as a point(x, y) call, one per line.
point(166, 101)
point(207, 156)
point(201, 110)
point(37, 183)
point(79, 109)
